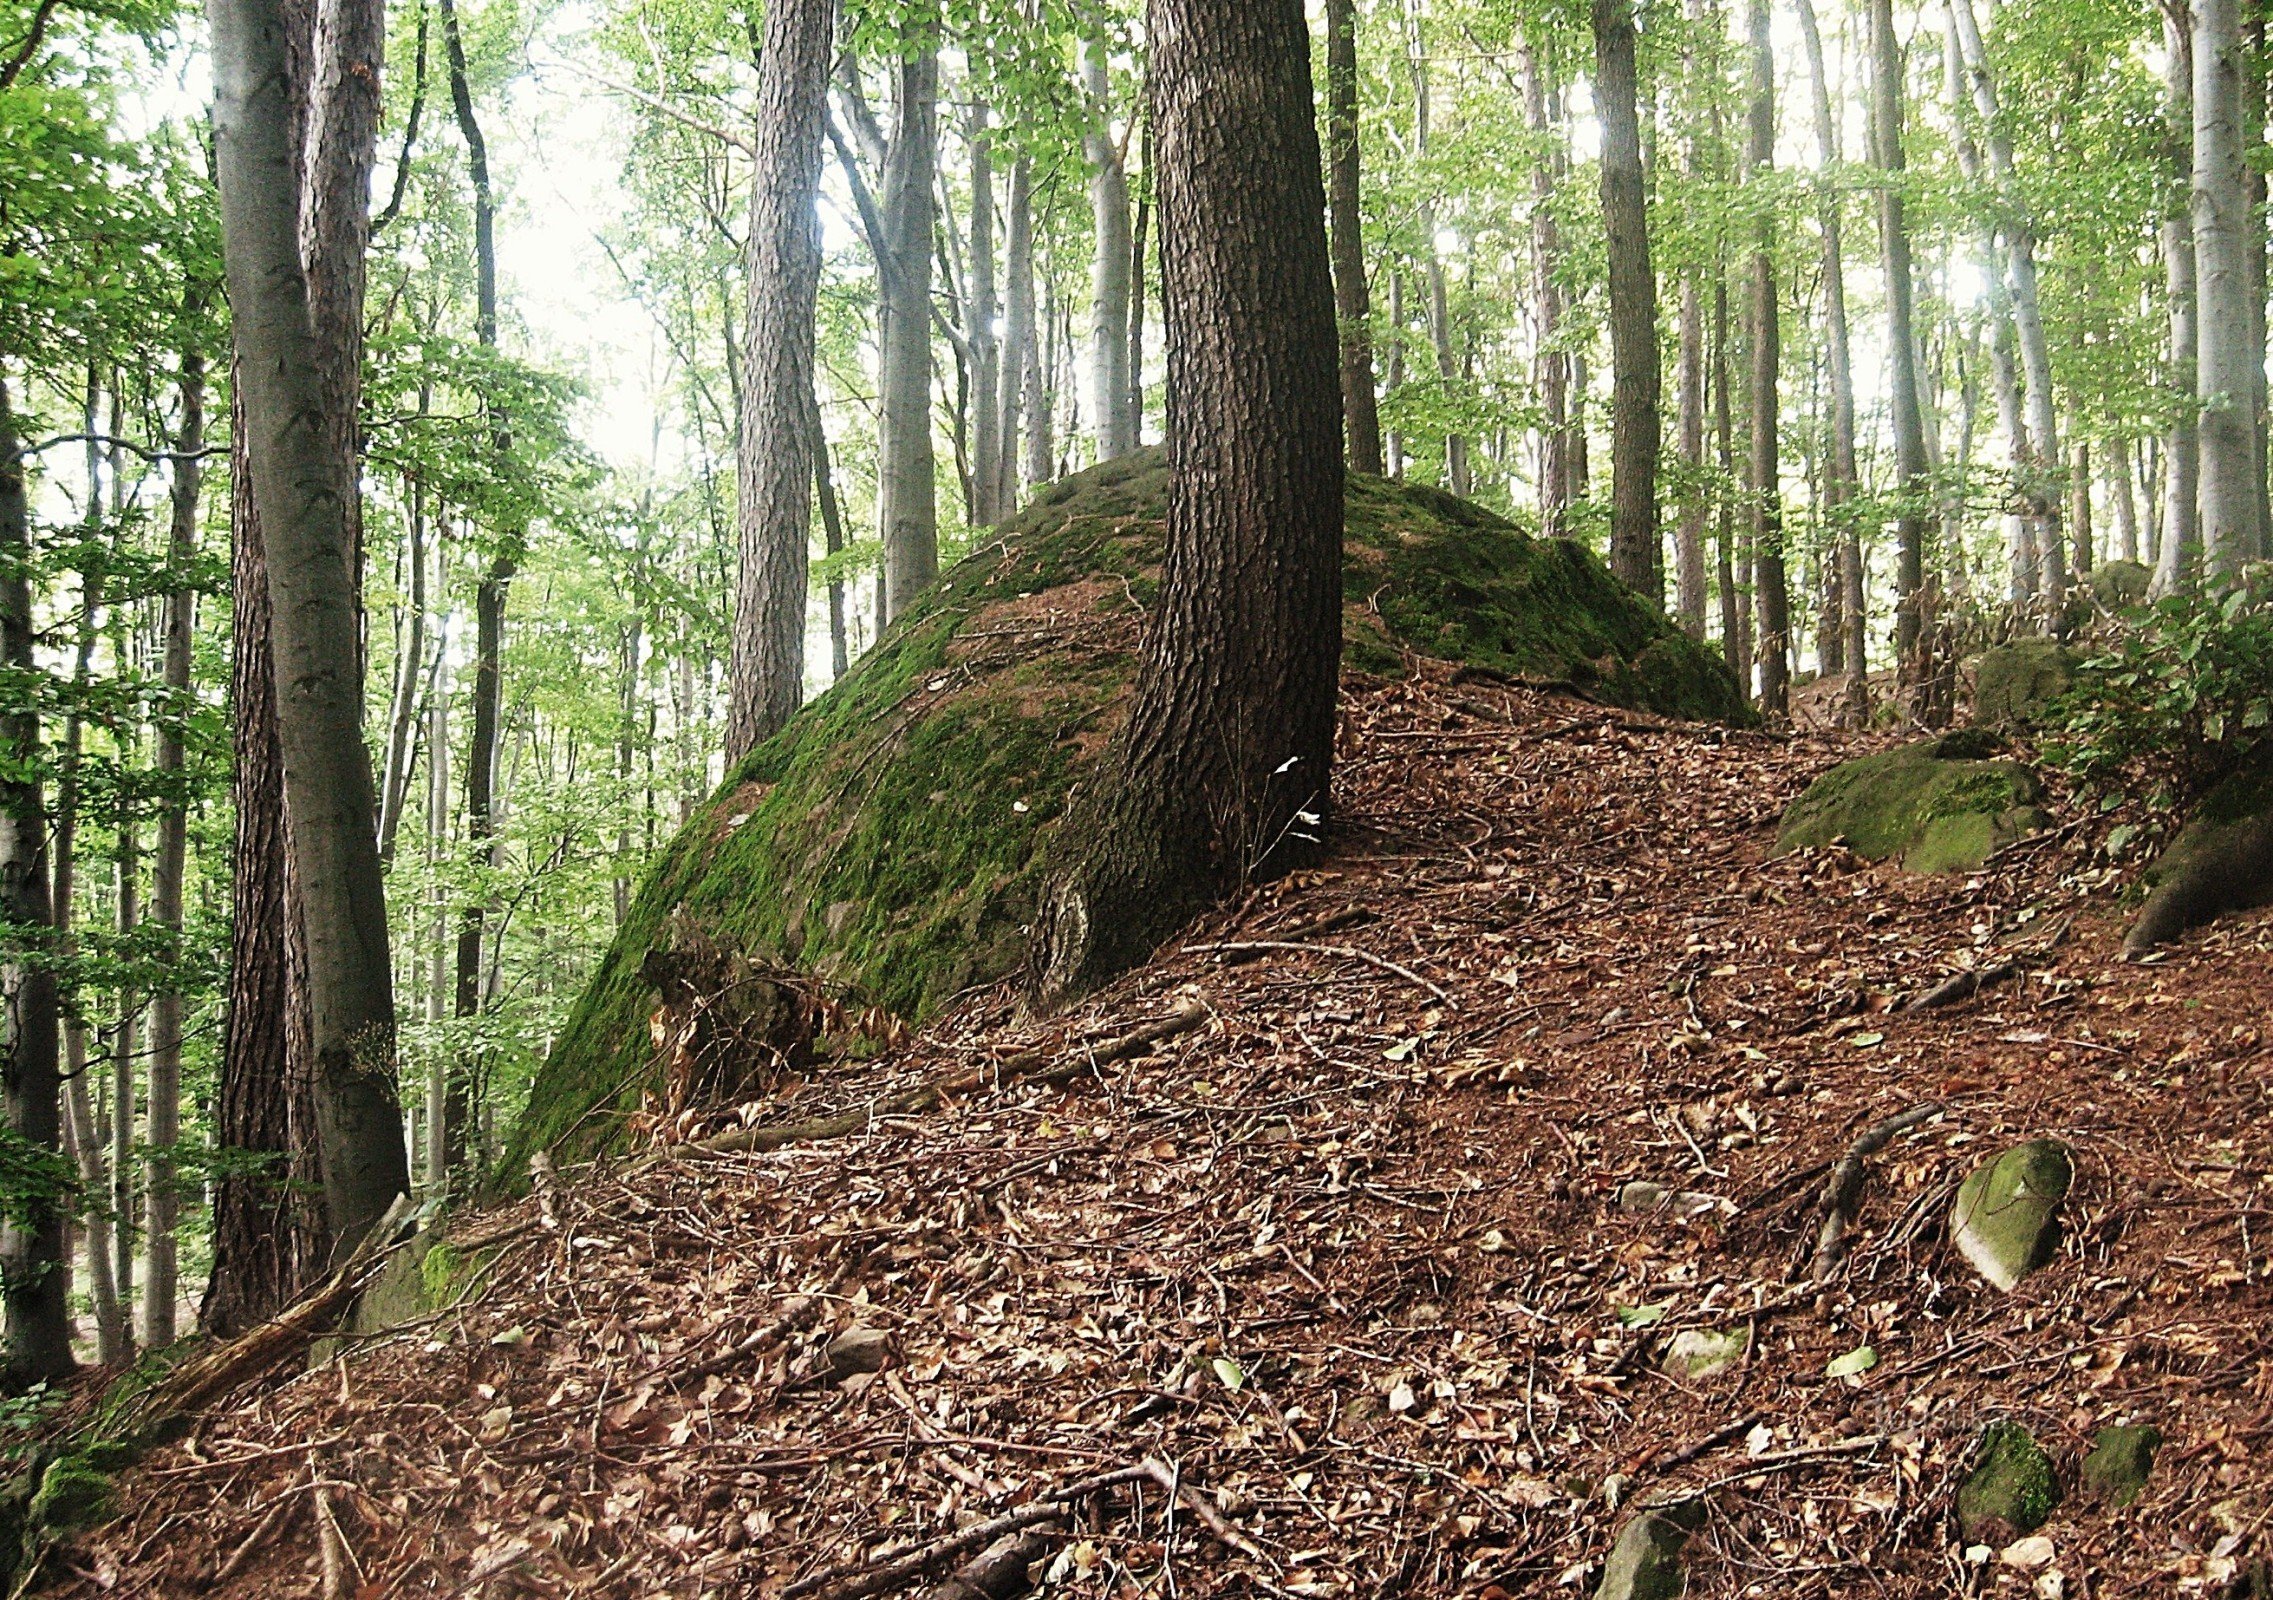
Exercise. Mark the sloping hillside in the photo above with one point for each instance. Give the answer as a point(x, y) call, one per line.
point(1395, 1265)
point(886, 840)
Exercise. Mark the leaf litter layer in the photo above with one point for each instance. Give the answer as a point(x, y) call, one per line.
point(1353, 1266)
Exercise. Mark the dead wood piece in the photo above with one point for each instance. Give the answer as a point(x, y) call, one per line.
point(1721, 1435)
point(1026, 1067)
point(1843, 1193)
point(1962, 986)
point(999, 1572)
point(269, 1525)
point(1256, 946)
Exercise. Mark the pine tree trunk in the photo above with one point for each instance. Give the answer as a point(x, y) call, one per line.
point(774, 466)
point(296, 435)
point(1353, 303)
point(2222, 232)
point(1763, 478)
point(906, 494)
point(1552, 362)
point(1222, 770)
point(1109, 288)
point(34, 1272)
point(1634, 394)
point(986, 349)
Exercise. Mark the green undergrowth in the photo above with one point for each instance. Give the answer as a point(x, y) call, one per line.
point(885, 840)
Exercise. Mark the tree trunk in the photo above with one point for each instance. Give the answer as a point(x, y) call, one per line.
point(1353, 304)
point(1735, 645)
point(34, 1274)
point(2222, 233)
point(986, 350)
point(1910, 485)
point(2180, 531)
point(2079, 508)
point(1634, 393)
point(1763, 476)
point(832, 529)
point(410, 664)
point(1552, 362)
point(2120, 492)
point(438, 972)
point(294, 430)
point(1393, 373)
point(774, 467)
point(906, 494)
point(1222, 770)
point(1109, 291)
point(1025, 393)
point(1439, 298)
point(114, 1338)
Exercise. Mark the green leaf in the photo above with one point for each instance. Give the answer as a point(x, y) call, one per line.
point(1228, 1370)
point(1644, 1316)
point(1853, 1364)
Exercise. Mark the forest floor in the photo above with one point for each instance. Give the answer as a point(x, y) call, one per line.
point(1355, 1263)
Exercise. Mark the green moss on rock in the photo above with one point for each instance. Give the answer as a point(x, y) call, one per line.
point(2013, 683)
point(885, 840)
point(2012, 1489)
point(1936, 806)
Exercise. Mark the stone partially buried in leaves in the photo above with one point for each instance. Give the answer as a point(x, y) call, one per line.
point(858, 1350)
point(2121, 1457)
point(1942, 805)
point(2006, 1218)
point(2011, 1490)
point(1645, 1563)
point(1695, 1354)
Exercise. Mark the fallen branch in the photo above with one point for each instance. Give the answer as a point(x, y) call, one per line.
point(997, 1572)
point(1782, 1460)
point(1843, 1193)
point(1721, 1435)
point(1026, 1067)
point(1257, 946)
point(1961, 986)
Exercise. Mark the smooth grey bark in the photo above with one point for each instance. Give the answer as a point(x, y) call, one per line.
point(979, 331)
point(1689, 378)
point(1114, 427)
point(1763, 474)
point(1843, 482)
point(2121, 498)
point(1025, 392)
point(1393, 373)
point(437, 1174)
point(1635, 391)
point(1901, 338)
point(2229, 531)
point(34, 1276)
point(1353, 301)
point(307, 529)
point(907, 496)
point(2048, 465)
point(833, 535)
point(114, 1338)
point(1552, 363)
point(774, 456)
point(410, 666)
point(1456, 476)
point(2180, 531)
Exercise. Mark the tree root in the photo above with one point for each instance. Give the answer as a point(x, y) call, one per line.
point(1843, 1191)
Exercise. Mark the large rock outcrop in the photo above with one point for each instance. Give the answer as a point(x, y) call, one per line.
point(2222, 861)
point(885, 841)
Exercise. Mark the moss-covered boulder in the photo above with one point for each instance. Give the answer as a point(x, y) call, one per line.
point(1645, 1562)
point(2222, 861)
point(2013, 683)
point(2120, 585)
point(1942, 805)
point(886, 840)
point(2012, 1489)
point(2005, 1220)
point(2121, 1460)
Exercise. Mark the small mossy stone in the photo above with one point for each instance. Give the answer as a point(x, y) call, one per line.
point(2120, 585)
point(2005, 1220)
point(73, 1494)
point(1645, 1563)
point(2013, 683)
point(1935, 806)
point(2121, 1458)
point(1695, 1354)
point(890, 838)
point(2011, 1490)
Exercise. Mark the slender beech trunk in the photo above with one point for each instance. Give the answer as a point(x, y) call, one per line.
point(1696, 504)
point(832, 530)
point(1109, 285)
point(2180, 532)
point(293, 420)
point(774, 464)
point(979, 333)
point(2044, 489)
point(2222, 240)
point(906, 494)
point(1393, 375)
point(1901, 331)
point(1735, 635)
point(1353, 304)
point(1136, 302)
point(410, 666)
point(1763, 476)
point(114, 1336)
point(1021, 378)
point(1439, 297)
point(2116, 463)
point(1552, 363)
point(437, 1173)
point(34, 1275)
point(2079, 508)
point(1843, 482)
point(1635, 379)
point(1221, 772)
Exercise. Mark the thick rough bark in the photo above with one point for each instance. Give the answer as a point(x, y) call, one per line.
point(34, 1279)
point(774, 463)
point(986, 349)
point(1115, 427)
point(291, 425)
point(1635, 379)
point(1222, 770)
point(2229, 497)
point(1901, 331)
point(1553, 363)
point(1763, 473)
point(1353, 302)
point(907, 497)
